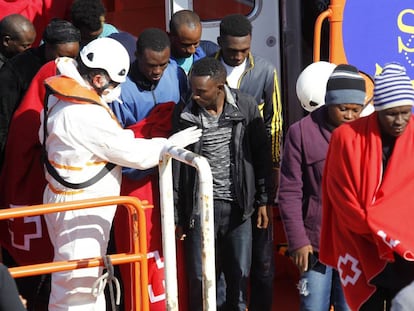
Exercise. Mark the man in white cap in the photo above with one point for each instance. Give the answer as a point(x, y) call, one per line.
point(84, 149)
point(368, 197)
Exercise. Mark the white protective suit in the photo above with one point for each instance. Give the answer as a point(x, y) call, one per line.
point(81, 139)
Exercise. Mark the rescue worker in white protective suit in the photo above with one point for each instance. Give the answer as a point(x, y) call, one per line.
point(80, 137)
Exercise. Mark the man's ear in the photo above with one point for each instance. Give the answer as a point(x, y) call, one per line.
point(219, 40)
point(5, 40)
point(220, 86)
point(99, 81)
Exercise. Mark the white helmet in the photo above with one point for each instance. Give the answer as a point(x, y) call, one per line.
point(109, 54)
point(311, 84)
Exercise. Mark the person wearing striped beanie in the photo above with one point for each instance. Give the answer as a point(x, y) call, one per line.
point(393, 88)
point(345, 94)
point(367, 198)
point(393, 99)
point(345, 85)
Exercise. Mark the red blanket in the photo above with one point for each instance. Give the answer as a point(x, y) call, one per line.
point(156, 124)
point(22, 177)
point(365, 212)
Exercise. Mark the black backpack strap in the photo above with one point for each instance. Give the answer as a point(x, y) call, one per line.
point(51, 170)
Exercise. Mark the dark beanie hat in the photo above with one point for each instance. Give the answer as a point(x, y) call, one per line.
point(60, 31)
point(345, 86)
point(127, 40)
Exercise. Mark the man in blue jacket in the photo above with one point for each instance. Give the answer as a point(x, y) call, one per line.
point(186, 44)
point(153, 88)
point(152, 79)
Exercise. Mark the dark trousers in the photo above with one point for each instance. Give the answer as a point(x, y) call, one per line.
point(263, 268)
point(389, 282)
point(233, 243)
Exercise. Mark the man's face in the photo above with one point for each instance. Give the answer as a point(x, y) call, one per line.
point(234, 50)
point(88, 35)
point(185, 42)
point(394, 121)
point(20, 41)
point(152, 63)
point(69, 49)
point(339, 114)
point(205, 91)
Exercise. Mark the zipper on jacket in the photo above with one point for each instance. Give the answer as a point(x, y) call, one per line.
point(192, 223)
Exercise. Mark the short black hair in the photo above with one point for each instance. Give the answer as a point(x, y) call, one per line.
point(87, 14)
point(154, 39)
point(235, 25)
point(60, 31)
point(183, 17)
point(209, 66)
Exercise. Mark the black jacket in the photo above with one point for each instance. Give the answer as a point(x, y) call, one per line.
point(251, 163)
point(15, 77)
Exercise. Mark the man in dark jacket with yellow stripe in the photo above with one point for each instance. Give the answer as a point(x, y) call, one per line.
point(256, 76)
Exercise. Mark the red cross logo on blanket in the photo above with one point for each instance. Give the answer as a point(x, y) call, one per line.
point(23, 230)
point(156, 288)
point(348, 269)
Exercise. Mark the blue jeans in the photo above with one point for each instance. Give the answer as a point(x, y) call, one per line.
point(319, 290)
point(262, 270)
point(404, 300)
point(233, 242)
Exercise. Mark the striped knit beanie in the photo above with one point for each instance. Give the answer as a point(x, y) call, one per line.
point(345, 86)
point(393, 88)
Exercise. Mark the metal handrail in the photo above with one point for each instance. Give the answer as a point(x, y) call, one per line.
point(205, 202)
point(138, 256)
point(317, 34)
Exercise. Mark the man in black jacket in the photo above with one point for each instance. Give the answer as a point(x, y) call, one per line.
point(17, 34)
point(235, 145)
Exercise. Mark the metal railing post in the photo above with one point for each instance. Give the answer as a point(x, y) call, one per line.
point(205, 201)
point(138, 257)
point(168, 234)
